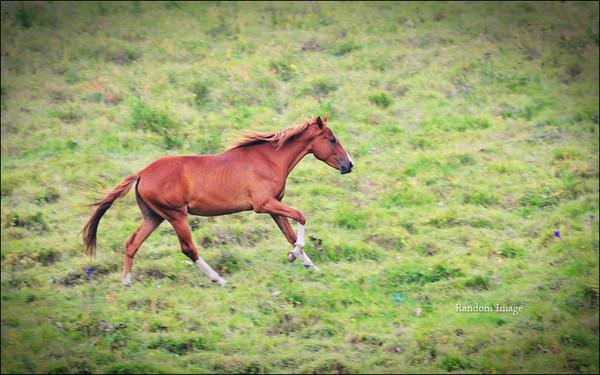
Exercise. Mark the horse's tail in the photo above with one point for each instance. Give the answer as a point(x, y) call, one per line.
point(91, 227)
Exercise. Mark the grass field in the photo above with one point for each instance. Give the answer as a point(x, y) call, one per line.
point(474, 132)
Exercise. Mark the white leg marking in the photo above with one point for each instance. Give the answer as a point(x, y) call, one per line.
point(212, 275)
point(299, 245)
point(300, 238)
point(306, 262)
point(127, 279)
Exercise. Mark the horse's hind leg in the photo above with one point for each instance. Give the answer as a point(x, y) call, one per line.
point(182, 228)
point(150, 221)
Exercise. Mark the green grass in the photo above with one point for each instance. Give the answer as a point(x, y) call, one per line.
point(474, 131)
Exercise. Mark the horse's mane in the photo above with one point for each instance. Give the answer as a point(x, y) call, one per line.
point(278, 138)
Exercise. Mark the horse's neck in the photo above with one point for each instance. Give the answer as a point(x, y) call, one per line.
point(289, 155)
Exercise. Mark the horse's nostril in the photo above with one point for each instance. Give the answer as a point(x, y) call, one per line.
point(346, 168)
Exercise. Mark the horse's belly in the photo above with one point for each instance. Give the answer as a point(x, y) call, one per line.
point(217, 206)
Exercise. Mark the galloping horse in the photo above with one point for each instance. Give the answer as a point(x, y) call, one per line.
point(249, 176)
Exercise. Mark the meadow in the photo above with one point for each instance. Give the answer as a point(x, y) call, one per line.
point(465, 239)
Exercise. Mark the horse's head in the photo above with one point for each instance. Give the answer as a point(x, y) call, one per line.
point(327, 147)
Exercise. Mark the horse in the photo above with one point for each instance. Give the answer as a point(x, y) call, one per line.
point(250, 175)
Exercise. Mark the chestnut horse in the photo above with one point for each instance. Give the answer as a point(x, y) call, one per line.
point(249, 176)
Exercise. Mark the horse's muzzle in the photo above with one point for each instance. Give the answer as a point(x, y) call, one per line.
point(346, 168)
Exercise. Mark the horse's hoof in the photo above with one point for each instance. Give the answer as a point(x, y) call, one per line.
point(291, 256)
point(127, 280)
point(221, 282)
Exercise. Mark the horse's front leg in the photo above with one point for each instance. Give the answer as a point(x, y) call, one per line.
point(288, 232)
point(298, 240)
point(298, 251)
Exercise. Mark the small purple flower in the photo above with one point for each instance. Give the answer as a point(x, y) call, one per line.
point(90, 271)
point(592, 217)
point(557, 233)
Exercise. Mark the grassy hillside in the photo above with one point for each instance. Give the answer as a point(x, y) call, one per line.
point(474, 131)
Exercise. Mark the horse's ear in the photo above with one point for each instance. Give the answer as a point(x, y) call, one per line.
point(325, 118)
point(320, 122)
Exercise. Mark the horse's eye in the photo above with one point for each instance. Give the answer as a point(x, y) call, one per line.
point(332, 140)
